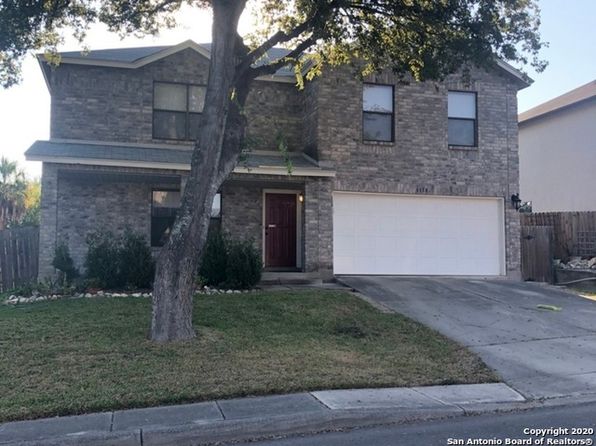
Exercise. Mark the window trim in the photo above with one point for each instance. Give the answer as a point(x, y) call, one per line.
point(381, 141)
point(475, 120)
point(186, 113)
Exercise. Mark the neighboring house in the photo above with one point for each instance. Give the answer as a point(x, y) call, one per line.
point(557, 145)
point(387, 178)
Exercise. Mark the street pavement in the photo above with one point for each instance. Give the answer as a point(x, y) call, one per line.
point(487, 427)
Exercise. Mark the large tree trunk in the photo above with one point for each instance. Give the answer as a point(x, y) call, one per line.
point(214, 157)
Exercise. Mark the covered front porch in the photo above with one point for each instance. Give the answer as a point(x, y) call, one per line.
point(281, 202)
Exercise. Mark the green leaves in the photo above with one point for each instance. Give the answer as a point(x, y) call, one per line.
point(421, 38)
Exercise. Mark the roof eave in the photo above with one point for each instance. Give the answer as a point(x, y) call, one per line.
point(524, 79)
point(259, 170)
point(43, 70)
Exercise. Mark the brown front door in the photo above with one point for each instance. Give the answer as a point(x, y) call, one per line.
point(280, 230)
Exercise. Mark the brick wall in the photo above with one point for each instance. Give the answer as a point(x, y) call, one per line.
point(420, 161)
point(116, 104)
point(324, 120)
point(72, 207)
point(242, 214)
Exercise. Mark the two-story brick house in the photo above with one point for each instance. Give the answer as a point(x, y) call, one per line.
point(386, 177)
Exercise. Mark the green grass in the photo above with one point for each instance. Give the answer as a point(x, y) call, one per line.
point(85, 355)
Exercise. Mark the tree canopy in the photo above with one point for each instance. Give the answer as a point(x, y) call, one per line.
point(19, 198)
point(426, 38)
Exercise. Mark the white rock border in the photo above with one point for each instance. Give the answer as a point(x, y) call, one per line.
point(14, 299)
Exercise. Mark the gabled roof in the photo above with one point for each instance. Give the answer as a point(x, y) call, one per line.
point(124, 55)
point(568, 99)
point(140, 56)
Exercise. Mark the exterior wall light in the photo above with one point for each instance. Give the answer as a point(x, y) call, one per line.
point(515, 201)
point(301, 198)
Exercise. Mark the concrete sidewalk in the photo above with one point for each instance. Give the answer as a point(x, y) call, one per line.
point(258, 417)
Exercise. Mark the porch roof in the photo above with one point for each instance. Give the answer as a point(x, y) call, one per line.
point(157, 156)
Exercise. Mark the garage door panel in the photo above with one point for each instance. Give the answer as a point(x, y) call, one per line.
point(345, 245)
point(347, 226)
point(384, 246)
point(365, 224)
point(448, 248)
point(344, 263)
point(427, 247)
point(397, 234)
point(406, 247)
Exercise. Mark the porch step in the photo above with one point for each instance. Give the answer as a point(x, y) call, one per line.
point(290, 278)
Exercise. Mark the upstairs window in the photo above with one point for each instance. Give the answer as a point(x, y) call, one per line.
point(164, 206)
point(176, 110)
point(462, 119)
point(377, 112)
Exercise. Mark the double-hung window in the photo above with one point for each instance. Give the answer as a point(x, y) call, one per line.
point(176, 110)
point(164, 206)
point(462, 122)
point(377, 112)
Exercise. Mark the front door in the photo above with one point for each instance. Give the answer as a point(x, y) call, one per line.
point(280, 230)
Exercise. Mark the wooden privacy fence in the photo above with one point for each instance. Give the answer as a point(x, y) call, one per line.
point(574, 233)
point(537, 253)
point(19, 249)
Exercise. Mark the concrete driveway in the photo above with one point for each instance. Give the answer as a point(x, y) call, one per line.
point(541, 353)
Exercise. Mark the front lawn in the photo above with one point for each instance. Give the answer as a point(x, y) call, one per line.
point(86, 355)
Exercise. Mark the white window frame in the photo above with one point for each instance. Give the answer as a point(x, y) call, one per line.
point(464, 118)
point(384, 113)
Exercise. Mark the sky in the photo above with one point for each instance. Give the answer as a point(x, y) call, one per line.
point(568, 25)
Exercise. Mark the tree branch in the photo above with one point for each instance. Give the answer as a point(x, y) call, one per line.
point(282, 37)
point(292, 55)
point(277, 38)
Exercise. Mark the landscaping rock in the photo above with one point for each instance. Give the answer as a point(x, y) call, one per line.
point(578, 263)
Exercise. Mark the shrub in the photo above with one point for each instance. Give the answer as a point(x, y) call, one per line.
point(243, 269)
point(215, 259)
point(230, 263)
point(119, 261)
point(63, 262)
point(101, 259)
point(136, 266)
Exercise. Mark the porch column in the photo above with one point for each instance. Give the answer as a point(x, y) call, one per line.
point(48, 220)
point(318, 227)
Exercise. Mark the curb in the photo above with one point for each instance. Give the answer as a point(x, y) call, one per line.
point(261, 428)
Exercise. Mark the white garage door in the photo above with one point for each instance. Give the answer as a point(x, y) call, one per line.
point(405, 234)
